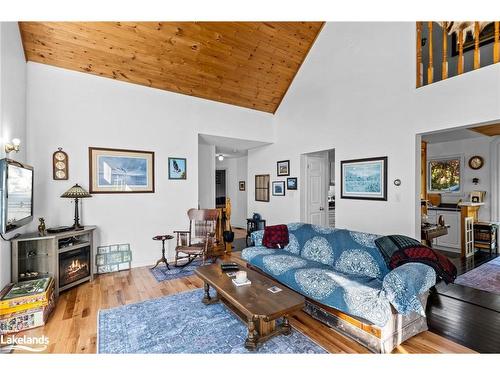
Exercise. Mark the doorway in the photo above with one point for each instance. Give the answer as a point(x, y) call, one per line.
point(220, 188)
point(318, 196)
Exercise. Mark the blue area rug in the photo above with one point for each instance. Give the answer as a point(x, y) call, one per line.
point(181, 323)
point(162, 273)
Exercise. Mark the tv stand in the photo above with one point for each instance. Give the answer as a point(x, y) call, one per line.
point(66, 256)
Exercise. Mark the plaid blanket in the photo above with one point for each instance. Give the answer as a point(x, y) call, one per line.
point(398, 250)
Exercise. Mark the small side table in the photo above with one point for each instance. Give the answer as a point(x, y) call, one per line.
point(162, 238)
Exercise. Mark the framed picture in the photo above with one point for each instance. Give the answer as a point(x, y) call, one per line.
point(262, 187)
point(291, 183)
point(177, 169)
point(278, 188)
point(283, 168)
point(364, 178)
point(114, 170)
point(242, 185)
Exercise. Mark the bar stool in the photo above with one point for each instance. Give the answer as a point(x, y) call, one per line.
point(162, 238)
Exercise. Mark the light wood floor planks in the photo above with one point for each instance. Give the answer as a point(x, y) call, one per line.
point(72, 327)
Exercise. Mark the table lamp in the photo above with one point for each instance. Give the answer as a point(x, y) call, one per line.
point(76, 192)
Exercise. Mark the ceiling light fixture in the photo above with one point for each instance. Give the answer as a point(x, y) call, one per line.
point(220, 157)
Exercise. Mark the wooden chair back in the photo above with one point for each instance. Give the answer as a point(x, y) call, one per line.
point(202, 222)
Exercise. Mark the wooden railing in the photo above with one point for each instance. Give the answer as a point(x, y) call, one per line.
point(429, 44)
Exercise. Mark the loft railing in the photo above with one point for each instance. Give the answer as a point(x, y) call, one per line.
point(460, 46)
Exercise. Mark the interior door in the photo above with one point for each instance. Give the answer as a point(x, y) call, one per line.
point(317, 198)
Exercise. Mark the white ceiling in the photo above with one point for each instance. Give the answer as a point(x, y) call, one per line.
point(450, 135)
point(230, 147)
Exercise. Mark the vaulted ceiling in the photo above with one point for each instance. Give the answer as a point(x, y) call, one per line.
point(248, 64)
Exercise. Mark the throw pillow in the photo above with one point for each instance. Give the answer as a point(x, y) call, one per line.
point(275, 236)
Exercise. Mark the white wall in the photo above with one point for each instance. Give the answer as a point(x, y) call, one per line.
point(466, 149)
point(356, 93)
point(206, 176)
point(75, 110)
point(236, 170)
point(12, 111)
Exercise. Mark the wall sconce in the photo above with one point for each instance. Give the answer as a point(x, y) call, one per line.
point(220, 157)
point(475, 180)
point(14, 146)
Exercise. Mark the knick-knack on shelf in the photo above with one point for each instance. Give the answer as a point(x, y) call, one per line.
point(41, 227)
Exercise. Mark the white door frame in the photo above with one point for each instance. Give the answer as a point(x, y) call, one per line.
point(304, 202)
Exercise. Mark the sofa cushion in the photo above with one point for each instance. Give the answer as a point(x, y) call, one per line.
point(353, 294)
point(347, 251)
point(256, 237)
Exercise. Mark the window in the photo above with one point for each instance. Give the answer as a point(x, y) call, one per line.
point(444, 175)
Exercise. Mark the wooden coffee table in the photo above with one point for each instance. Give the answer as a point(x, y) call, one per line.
point(254, 303)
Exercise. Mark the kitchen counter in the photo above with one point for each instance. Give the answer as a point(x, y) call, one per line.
point(445, 207)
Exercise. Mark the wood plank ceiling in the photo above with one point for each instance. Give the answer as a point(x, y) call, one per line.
point(248, 64)
point(489, 130)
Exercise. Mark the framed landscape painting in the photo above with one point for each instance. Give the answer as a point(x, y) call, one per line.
point(121, 171)
point(283, 168)
point(177, 169)
point(364, 178)
point(278, 188)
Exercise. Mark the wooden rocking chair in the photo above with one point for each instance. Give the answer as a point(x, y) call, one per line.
point(200, 240)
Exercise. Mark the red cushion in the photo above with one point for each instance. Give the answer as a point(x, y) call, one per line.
point(275, 236)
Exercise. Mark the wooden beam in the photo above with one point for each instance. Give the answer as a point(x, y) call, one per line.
point(419, 53)
point(477, 53)
point(444, 59)
point(496, 43)
point(460, 62)
point(430, 66)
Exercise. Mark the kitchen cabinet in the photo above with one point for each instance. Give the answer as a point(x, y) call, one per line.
point(451, 218)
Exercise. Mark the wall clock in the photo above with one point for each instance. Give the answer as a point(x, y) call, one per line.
point(476, 162)
point(60, 165)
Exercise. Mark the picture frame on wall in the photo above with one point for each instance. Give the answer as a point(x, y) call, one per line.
point(241, 185)
point(364, 178)
point(283, 168)
point(177, 168)
point(291, 183)
point(278, 188)
point(115, 171)
point(262, 187)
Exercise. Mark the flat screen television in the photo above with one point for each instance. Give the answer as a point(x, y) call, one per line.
point(16, 195)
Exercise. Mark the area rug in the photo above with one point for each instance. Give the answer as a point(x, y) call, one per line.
point(181, 323)
point(162, 273)
point(485, 277)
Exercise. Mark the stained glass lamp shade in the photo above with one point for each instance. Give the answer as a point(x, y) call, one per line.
point(76, 192)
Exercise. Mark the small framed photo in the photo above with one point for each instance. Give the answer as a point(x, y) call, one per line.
point(177, 169)
point(291, 183)
point(278, 188)
point(242, 185)
point(283, 168)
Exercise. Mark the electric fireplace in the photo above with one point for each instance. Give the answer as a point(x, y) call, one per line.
point(74, 265)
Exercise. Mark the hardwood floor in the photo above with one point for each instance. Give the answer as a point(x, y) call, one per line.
point(465, 314)
point(72, 327)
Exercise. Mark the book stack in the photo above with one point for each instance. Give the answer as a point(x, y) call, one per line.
point(26, 304)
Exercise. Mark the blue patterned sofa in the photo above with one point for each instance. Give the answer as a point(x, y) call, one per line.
point(347, 284)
